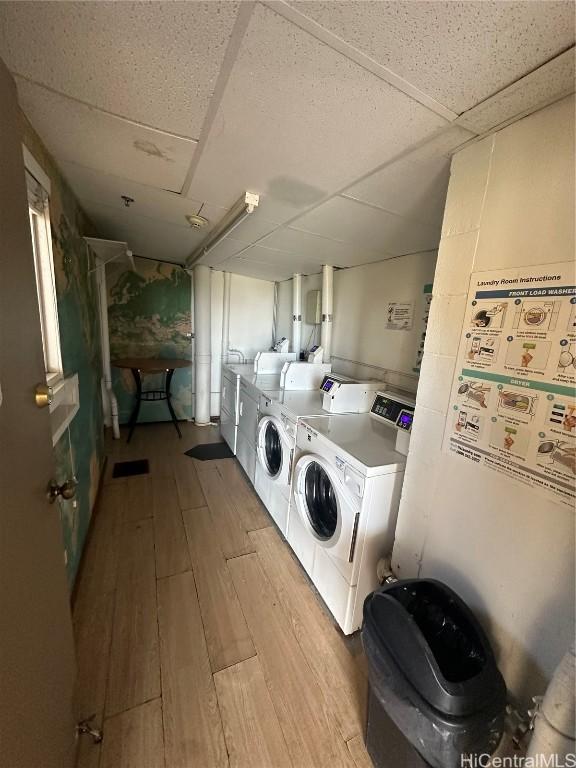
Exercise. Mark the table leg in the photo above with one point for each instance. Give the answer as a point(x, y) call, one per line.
point(136, 410)
point(169, 375)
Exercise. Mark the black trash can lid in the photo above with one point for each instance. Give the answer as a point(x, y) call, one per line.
point(437, 643)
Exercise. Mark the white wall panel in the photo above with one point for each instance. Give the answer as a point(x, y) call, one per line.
point(361, 295)
point(251, 309)
point(310, 333)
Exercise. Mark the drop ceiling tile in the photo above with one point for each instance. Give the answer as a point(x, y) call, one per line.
point(290, 261)
point(170, 207)
point(223, 251)
point(95, 139)
point(145, 237)
point(258, 271)
point(254, 227)
point(543, 86)
point(298, 121)
point(460, 53)
point(369, 227)
point(415, 190)
point(156, 63)
point(320, 250)
point(415, 185)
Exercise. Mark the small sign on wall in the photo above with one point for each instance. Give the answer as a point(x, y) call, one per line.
point(400, 316)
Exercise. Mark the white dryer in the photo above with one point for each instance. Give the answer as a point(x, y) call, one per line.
point(275, 442)
point(348, 473)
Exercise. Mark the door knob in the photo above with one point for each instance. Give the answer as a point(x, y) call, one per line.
point(43, 395)
point(67, 490)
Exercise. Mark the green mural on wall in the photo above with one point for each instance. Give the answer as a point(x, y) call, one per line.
point(149, 315)
point(80, 450)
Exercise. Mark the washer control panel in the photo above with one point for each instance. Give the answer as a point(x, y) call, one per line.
point(393, 409)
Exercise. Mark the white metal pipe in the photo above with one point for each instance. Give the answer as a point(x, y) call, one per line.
point(274, 315)
point(327, 302)
point(226, 316)
point(238, 352)
point(108, 397)
point(202, 351)
point(296, 313)
point(556, 719)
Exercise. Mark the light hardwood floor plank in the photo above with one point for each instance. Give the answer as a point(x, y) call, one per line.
point(92, 635)
point(88, 753)
point(100, 562)
point(134, 739)
point(134, 657)
point(170, 539)
point(190, 493)
point(313, 741)
point(136, 565)
point(250, 510)
point(229, 529)
point(138, 502)
point(192, 725)
point(359, 754)
point(252, 731)
point(335, 668)
point(227, 636)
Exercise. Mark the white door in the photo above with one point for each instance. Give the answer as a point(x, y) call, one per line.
point(37, 666)
point(326, 508)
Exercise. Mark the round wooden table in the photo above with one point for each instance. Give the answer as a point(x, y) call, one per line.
point(142, 365)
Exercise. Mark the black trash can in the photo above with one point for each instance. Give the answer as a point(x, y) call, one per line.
point(435, 691)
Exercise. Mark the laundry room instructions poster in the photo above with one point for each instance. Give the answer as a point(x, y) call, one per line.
point(513, 399)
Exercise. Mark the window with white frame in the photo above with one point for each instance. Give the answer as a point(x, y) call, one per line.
point(39, 211)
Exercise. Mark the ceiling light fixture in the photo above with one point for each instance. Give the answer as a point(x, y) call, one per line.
point(127, 200)
point(235, 216)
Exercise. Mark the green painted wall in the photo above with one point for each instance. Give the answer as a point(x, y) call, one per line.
point(80, 450)
point(149, 315)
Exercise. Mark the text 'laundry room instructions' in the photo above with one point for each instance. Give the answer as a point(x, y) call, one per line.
point(513, 400)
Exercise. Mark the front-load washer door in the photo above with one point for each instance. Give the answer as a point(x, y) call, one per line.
point(272, 449)
point(324, 506)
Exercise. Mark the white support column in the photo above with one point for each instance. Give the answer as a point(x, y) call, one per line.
point(108, 397)
point(226, 317)
point(202, 352)
point(327, 300)
point(296, 314)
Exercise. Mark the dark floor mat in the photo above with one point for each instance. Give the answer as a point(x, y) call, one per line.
point(210, 451)
point(129, 468)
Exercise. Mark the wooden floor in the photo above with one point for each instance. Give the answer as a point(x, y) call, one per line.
point(200, 641)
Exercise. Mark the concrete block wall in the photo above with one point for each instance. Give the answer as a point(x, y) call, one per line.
point(504, 549)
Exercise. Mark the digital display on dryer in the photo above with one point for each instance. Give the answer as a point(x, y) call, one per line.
point(405, 420)
point(327, 386)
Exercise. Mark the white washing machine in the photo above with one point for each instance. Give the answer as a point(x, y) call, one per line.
point(250, 389)
point(275, 442)
point(348, 473)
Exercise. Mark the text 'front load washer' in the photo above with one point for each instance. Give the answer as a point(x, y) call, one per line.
point(348, 475)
